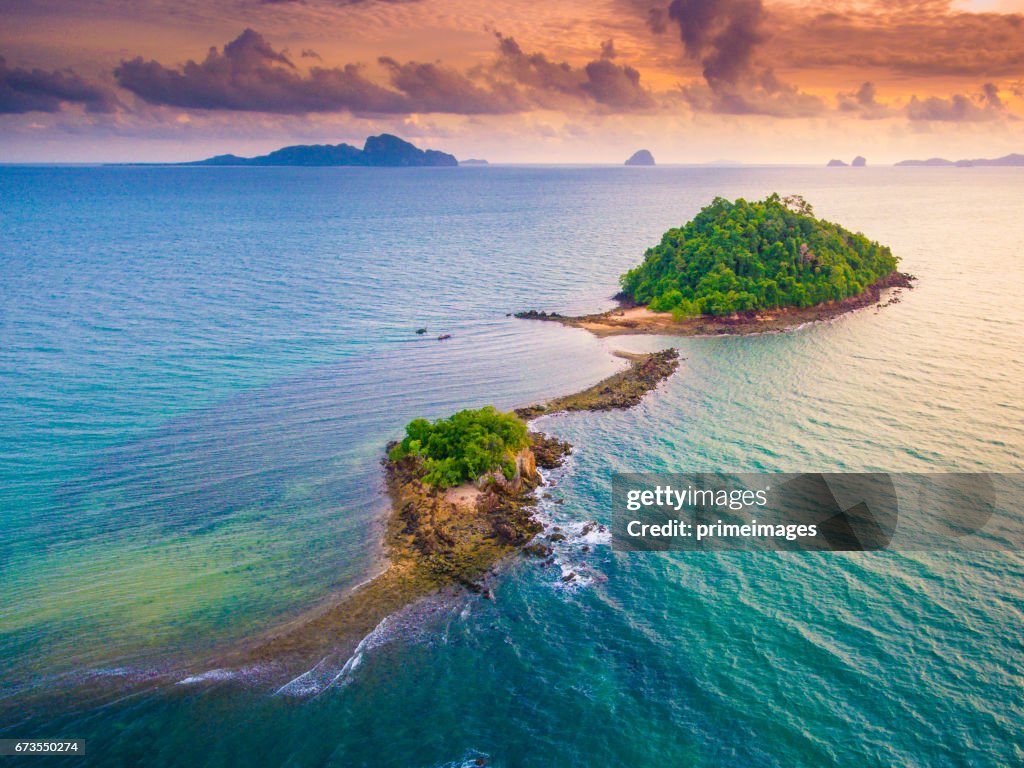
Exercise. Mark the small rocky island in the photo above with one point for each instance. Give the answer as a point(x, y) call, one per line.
point(640, 157)
point(746, 267)
point(463, 494)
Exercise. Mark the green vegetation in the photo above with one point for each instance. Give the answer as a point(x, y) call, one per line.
point(735, 257)
point(464, 446)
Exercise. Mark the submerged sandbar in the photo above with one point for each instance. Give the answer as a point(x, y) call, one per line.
point(438, 539)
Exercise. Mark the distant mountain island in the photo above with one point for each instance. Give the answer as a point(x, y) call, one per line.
point(473, 161)
point(858, 162)
point(641, 157)
point(378, 151)
point(1005, 160)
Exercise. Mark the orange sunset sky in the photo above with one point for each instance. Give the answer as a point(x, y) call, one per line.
point(558, 81)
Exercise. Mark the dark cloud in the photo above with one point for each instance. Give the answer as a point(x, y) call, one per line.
point(657, 20)
point(36, 90)
point(759, 93)
point(990, 95)
point(616, 87)
point(959, 108)
point(309, 53)
point(434, 88)
point(923, 39)
point(249, 75)
point(863, 103)
point(722, 34)
point(534, 70)
point(736, 43)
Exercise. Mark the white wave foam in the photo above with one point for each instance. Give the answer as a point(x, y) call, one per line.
point(326, 673)
point(213, 675)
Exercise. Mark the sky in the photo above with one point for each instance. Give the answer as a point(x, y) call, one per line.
point(563, 81)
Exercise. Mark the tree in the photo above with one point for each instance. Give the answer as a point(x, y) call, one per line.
point(740, 256)
point(464, 446)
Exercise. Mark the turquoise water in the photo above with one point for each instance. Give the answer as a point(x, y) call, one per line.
point(199, 368)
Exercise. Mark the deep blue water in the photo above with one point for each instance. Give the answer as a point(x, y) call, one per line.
point(199, 369)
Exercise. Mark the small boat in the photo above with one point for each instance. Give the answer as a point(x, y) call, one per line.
point(421, 331)
point(444, 336)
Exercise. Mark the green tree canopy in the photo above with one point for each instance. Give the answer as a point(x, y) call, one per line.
point(738, 256)
point(464, 446)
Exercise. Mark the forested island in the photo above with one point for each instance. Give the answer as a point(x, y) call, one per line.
point(384, 151)
point(740, 267)
point(463, 494)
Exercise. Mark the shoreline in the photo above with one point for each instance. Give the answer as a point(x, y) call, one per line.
point(439, 543)
point(629, 318)
point(436, 540)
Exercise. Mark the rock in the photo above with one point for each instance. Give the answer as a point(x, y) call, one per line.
point(421, 331)
point(549, 452)
point(833, 163)
point(556, 537)
point(641, 157)
point(526, 464)
point(533, 314)
point(444, 336)
point(859, 162)
point(537, 550)
point(621, 390)
point(569, 576)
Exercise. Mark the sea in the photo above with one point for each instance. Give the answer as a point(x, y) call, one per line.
point(199, 370)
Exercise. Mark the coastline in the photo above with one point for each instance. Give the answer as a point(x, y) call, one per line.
point(628, 318)
point(439, 542)
point(452, 539)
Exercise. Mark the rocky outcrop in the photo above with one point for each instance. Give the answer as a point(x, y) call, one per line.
point(525, 475)
point(533, 314)
point(549, 452)
point(622, 390)
point(641, 157)
point(859, 162)
point(834, 163)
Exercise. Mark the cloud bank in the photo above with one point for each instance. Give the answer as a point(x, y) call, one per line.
point(248, 74)
point(37, 90)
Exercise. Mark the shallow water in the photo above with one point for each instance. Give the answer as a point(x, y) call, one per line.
point(199, 368)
